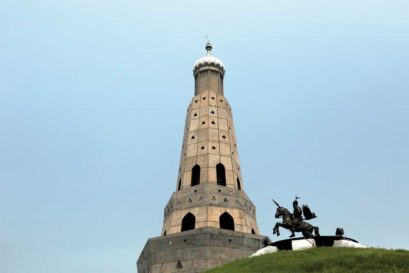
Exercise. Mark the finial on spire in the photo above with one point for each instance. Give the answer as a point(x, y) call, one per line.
point(208, 46)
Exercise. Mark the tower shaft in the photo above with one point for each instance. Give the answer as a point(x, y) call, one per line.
point(209, 180)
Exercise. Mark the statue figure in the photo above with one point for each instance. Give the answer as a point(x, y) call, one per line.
point(295, 221)
point(297, 214)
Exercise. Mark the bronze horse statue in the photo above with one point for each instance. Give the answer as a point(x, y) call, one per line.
point(289, 222)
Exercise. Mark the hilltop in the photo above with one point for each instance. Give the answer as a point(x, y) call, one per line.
point(327, 260)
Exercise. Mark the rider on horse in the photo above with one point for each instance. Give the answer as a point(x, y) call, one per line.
point(297, 213)
point(295, 221)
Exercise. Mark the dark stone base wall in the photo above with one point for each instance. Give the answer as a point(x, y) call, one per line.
point(196, 250)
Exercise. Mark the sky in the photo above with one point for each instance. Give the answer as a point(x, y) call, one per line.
point(93, 97)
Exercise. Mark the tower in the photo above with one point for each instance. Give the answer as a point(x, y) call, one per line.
point(209, 220)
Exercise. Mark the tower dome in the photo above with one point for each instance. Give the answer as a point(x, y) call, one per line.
point(208, 62)
point(208, 72)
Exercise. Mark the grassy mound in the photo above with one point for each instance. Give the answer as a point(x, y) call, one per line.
point(328, 260)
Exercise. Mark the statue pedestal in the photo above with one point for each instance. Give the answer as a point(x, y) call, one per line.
point(321, 241)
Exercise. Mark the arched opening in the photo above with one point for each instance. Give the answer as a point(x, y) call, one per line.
point(221, 175)
point(195, 176)
point(226, 221)
point(238, 184)
point(180, 184)
point(252, 231)
point(188, 222)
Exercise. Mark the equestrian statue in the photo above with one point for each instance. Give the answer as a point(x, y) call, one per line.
point(295, 221)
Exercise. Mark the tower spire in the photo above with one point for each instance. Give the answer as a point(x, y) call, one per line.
point(208, 46)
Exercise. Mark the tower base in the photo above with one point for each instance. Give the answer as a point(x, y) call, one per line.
point(197, 250)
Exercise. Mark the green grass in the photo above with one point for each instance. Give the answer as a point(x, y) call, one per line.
point(327, 260)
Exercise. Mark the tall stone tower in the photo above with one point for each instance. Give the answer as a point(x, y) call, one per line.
point(209, 220)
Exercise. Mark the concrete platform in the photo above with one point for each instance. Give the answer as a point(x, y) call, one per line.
point(321, 241)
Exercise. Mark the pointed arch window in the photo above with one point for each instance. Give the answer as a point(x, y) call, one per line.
point(226, 221)
point(195, 175)
point(188, 222)
point(180, 185)
point(221, 174)
point(238, 184)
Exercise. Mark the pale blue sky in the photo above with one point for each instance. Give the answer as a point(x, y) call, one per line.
point(93, 96)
